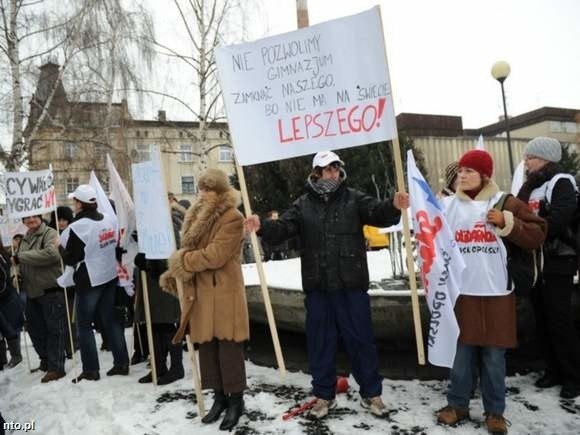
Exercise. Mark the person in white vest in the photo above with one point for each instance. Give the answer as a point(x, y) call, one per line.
point(552, 194)
point(88, 245)
point(486, 307)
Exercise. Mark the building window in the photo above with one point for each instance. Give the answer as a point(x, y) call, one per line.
point(187, 184)
point(226, 154)
point(71, 184)
point(570, 127)
point(69, 150)
point(143, 152)
point(555, 126)
point(185, 154)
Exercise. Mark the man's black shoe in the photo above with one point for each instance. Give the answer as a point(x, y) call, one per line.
point(570, 391)
point(547, 381)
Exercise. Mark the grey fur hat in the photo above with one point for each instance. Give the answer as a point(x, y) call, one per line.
point(545, 148)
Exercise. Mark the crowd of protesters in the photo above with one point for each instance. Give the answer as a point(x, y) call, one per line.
point(210, 238)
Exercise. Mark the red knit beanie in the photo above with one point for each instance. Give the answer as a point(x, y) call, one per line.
point(478, 160)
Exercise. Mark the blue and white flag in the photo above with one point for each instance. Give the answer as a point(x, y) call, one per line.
point(441, 266)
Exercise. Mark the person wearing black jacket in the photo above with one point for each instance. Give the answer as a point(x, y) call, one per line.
point(329, 221)
point(552, 194)
point(89, 247)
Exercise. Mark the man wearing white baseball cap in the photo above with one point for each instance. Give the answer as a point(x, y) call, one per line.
point(329, 221)
point(88, 245)
point(84, 193)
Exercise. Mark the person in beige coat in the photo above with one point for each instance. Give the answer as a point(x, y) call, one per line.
point(215, 313)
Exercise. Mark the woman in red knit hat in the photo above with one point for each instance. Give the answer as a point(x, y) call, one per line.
point(485, 309)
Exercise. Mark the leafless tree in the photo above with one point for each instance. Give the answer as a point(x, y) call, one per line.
point(99, 45)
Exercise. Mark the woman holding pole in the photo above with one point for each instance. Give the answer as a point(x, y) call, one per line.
point(214, 311)
point(486, 307)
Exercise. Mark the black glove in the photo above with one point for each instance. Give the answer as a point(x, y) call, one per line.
point(119, 251)
point(140, 261)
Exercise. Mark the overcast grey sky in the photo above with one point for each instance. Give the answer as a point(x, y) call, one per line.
point(441, 52)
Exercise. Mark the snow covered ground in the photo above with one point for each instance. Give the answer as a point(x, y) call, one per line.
point(121, 406)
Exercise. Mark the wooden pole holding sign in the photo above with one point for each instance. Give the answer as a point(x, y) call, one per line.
point(262, 275)
point(193, 358)
point(147, 309)
point(179, 283)
point(407, 235)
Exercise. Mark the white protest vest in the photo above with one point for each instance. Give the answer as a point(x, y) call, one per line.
point(544, 192)
point(483, 251)
point(100, 239)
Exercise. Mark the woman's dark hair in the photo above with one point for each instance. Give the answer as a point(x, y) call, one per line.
point(88, 206)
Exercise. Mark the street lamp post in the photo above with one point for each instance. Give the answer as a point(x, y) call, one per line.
point(500, 71)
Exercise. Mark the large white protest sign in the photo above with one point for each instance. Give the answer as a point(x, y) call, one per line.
point(29, 193)
point(323, 87)
point(154, 226)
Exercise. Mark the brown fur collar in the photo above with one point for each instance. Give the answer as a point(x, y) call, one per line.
point(485, 194)
point(202, 215)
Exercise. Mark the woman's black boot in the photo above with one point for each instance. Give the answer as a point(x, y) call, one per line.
point(234, 412)
point(220, 403)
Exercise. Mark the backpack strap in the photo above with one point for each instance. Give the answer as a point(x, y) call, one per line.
point(500, 205)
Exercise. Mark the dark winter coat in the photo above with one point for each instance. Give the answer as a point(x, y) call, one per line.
point(164, 307)
point(11, 306)
point(559, 257)
point(558, 250)
point(333, 249)
point(39, 261)
point(491, 320)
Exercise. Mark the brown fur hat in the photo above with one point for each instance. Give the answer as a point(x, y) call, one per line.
point(215, 180)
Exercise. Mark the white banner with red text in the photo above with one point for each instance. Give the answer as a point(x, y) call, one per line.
point(29, 193)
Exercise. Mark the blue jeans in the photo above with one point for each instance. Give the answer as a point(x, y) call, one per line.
point(93, 302)
point(491, 363)
point(344, 313)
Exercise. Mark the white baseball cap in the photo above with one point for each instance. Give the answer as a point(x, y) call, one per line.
point(325, 158)
point(84, 193)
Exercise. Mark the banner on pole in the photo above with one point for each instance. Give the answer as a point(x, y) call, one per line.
point(126, 217)
point(322, 87)
point(154, 227)
point(441, 266)
point(29, 193)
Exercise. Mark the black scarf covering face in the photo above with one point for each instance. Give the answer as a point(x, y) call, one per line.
point(325, 187)
point(536, 179)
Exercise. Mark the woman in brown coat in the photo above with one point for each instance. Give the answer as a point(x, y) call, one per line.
point(215, 312)
point(486, 307)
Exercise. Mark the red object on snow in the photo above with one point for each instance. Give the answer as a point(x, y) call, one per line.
point(299, 410)
point(341, 384)
point(341, 387)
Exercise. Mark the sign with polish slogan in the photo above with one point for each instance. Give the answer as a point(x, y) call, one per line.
point(322, 87)
point(29, 193)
